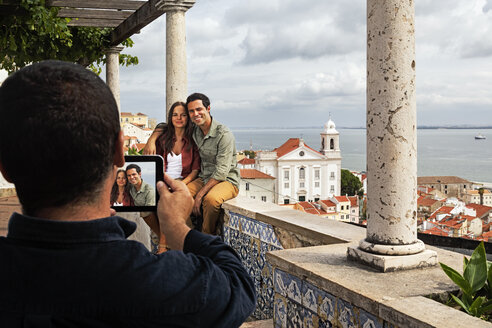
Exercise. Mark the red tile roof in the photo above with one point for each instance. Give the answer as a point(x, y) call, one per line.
point(328, 203)
point(428, 202)
point(441, 210)
point(290, 145)
point(437, 231)
point(353, 201)
point(246, 161)
point(480, 209)
point(126, 114)
point(310, 208)
point(254, 174)
point(440, 180)
point(342, 198)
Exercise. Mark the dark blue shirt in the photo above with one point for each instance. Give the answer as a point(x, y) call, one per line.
point(87, 274)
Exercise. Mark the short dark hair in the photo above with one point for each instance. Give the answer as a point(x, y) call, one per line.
point(198, 96)
point(133, 166)
point(58, 132)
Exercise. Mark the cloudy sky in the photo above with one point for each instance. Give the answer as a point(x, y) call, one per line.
point(291, 63)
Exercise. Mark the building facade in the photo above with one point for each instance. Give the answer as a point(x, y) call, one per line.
point(302, 173)
point(257, 185)
point(450, 186)
point(474, 197)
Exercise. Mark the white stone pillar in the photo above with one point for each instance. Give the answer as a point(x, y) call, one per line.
point(391, 242)
point(176, 74)
point(113, 72)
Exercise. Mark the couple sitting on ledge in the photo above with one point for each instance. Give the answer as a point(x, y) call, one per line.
point(200, 151)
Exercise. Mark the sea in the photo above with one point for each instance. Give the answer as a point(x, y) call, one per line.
point(441, 152)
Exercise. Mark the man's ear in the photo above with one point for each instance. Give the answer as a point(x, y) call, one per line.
point(119, 152)
point(4, 173)
point(208, 108)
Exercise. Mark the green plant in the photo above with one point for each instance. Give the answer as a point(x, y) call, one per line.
point(133, 150)
point(34, 33)
point(475, 284)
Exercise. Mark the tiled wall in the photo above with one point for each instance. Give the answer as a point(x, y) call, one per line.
point(289, 300)
point(252, 239)
point(301, 304)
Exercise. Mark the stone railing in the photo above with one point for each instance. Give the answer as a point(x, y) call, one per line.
point(304, 279)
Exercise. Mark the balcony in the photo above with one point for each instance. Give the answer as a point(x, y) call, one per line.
point(304, 279)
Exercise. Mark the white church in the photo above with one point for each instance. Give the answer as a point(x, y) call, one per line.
point(302, 173)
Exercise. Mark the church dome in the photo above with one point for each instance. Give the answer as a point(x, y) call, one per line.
point(330, 127)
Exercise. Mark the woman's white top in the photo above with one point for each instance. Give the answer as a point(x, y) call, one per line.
point(117, 204)
point(174, 165)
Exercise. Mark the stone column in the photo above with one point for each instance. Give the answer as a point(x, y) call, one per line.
point(391, 242)
point(113, 72)
point(176, 74)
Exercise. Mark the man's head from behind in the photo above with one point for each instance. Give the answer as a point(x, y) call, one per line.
point(59, 128)
point(134, 175)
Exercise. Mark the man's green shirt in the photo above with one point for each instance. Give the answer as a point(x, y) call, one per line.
point(144, 197)
point(217, 153)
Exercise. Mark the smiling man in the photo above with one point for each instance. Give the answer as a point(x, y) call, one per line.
point(142, 193)
point(218, 179)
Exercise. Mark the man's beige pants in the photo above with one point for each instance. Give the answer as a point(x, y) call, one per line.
point(212, 201)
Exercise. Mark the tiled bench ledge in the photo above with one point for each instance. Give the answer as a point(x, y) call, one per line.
point(294, 228)
point(318, 287)
point(254, 228)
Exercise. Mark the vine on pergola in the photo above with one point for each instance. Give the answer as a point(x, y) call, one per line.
point(35, 33)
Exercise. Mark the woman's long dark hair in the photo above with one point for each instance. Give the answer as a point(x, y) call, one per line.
point(114, 190)
point(169, 133)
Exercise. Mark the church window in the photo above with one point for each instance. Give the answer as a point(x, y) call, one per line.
point(316, 199)
point(316, 184)
point(286, 175)
point(301, 184)
point(332, 188)
point(247, 185)
point(332, 144)
point(316, 174)
point(286, 201)
point(302, 173)
point(332, 175)
point(263, 198)
point(302, 198)
point(286, 185)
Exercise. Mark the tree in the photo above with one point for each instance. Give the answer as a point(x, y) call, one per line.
point(350, 184)
point(35, 33)
point(480, 192)
point(249, 153)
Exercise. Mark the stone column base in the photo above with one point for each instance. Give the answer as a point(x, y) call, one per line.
point(389, 263)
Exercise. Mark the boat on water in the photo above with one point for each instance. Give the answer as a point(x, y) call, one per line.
point(480, 137)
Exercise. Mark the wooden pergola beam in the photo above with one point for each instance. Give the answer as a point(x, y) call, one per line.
point(87, 22)
point(139, 19)
point(100, 4)
point(127, 17)
point(94, 14)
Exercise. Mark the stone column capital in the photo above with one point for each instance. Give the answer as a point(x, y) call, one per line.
point(113, 50)
point(174, 5)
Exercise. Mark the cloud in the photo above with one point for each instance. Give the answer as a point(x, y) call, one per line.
point(454, 28)
point(487, 7)
point(341, 83)
point(289, 29)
